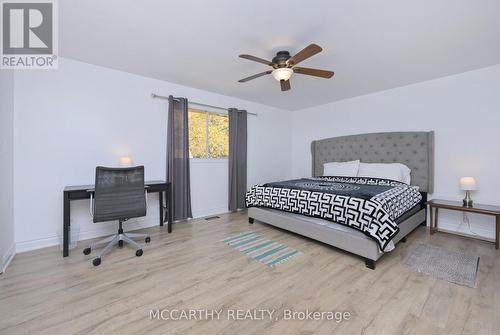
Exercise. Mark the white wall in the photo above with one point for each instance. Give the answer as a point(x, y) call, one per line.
point(463, 110)
point(7, 246)
point(69, 120)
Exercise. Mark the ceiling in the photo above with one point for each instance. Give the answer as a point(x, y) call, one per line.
point(371, 45)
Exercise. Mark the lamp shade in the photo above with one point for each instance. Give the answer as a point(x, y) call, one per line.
point(126, 161)
point(468, 184)
point(282, 73)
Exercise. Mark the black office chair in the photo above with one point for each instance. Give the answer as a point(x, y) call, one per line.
point(119, 195)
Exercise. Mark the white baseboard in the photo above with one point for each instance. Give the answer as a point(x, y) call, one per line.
point(38, 243)
point(209, 211)
point(99, 230)
point(481, 226)
point(7, 257)
point(454, 228)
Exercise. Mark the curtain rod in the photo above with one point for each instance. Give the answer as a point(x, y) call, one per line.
point(153, 95)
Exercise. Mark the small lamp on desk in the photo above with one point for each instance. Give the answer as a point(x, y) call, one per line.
point(468, 184)
point(126, 161)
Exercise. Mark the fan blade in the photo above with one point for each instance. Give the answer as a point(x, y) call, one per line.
point(285, 85)
point(305, 53)
point(313, 72)
point(257, 59)
point(254, 76)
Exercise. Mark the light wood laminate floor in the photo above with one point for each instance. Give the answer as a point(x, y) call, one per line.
point(42, 293)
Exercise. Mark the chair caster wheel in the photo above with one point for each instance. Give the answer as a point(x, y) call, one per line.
point(138, 253)
point(148, 239)
point(86, 251)
point(96, 261)
point(120, 243)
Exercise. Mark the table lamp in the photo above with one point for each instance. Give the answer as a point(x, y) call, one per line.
point(468, 184)
point(125, 161)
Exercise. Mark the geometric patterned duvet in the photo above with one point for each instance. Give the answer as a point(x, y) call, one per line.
point(369, 205)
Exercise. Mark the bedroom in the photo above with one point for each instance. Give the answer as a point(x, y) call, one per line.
point(399, 67)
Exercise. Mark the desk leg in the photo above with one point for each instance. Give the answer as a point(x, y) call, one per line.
point(497, 230)
point(160, 196)
point(431, 216)
point(170, 208)
point(66, 225)
point(436, 220)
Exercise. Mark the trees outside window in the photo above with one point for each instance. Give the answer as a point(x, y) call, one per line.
point(208, 135)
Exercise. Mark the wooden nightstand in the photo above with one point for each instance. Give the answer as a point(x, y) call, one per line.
point(435, 204)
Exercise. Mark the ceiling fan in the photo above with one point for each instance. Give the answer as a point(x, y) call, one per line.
point(284, 66)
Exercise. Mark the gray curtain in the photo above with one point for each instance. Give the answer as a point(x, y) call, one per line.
point(178, 157)
point(237, 158)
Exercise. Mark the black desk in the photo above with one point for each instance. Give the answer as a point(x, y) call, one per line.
point(80, 192)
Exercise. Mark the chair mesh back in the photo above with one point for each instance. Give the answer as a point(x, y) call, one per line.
point(119, 193)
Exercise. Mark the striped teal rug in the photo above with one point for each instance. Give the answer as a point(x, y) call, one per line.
point(269, 252)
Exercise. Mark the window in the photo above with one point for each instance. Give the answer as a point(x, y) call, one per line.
point(208, 135)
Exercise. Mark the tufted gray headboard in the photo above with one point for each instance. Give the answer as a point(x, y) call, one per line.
point(414, 149)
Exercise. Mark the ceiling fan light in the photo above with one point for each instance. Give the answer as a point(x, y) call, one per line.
point(282, 73)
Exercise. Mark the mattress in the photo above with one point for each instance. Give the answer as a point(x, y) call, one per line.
point(370, 205)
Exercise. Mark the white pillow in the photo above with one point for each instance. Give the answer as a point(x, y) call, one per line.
point(342, 169)
point(393, 171)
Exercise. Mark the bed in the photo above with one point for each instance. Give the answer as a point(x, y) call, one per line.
point(414, 149)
